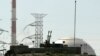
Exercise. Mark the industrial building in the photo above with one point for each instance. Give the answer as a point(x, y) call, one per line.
point(61, 47)
point(25, 51)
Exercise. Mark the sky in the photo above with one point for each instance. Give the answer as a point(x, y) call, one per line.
point(59, 19)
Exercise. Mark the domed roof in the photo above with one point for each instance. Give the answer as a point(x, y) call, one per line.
point(78, 43)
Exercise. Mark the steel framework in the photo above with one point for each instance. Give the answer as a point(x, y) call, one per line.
point(38, 28)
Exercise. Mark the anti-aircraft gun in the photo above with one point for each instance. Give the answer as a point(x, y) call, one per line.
point(47, 42)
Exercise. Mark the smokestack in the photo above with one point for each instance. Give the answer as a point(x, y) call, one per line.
point(13, 29)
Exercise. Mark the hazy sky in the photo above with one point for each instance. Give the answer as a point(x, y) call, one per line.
point(60, 19)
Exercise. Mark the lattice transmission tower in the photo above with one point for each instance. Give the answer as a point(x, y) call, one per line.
point(38, 28)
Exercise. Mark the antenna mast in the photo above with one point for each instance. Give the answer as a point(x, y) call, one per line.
point(75, 22)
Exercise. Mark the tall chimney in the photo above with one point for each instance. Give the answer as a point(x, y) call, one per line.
point(13, 29)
